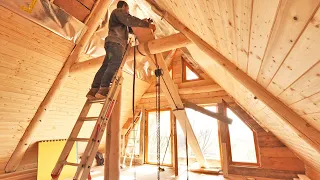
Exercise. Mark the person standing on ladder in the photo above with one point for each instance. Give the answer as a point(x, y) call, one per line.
point(120, 24)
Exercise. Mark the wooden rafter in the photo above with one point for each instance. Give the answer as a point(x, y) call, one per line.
point(45, 105)
point(303, 129)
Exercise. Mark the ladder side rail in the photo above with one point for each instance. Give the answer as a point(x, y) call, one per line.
point(96, 129)
point(113, 93)
point(101, 132)
point(69, 144)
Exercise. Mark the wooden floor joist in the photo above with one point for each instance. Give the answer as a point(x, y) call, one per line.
point(45, 105)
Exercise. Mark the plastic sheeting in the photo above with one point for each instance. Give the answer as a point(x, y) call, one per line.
point(140, 9)
point(47, 15)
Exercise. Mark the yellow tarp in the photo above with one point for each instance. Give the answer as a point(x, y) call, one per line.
point(48, 155)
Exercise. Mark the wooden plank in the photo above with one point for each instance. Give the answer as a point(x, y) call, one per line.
point(47, 102)
point(304, 87)
point(261, 28)
point(312, 173)
point(293, 121)
point(74, 8)
point(283, 37)
point(303, 177)
point(227, 16)
point(242, 13)
point(276, 152)
point(305, 48)
point(282, 163)
point(88, 3)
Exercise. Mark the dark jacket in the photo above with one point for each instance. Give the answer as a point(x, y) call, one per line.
point(119, 24)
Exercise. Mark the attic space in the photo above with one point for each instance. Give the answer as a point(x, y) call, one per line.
point(160, 90)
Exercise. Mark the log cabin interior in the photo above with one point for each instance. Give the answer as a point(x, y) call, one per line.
point(238, 96)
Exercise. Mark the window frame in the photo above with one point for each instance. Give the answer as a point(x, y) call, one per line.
point(184, 66)
point(229, 151)
point(146, 158)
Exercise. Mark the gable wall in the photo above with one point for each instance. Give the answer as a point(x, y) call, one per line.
point(276, 160)
point(30, 59)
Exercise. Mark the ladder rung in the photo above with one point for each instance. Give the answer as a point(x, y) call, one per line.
point(89, 119)
point(70, 164)
point(97, 100)
point(80, 139)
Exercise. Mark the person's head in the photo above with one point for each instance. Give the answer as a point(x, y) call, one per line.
point(123, 5)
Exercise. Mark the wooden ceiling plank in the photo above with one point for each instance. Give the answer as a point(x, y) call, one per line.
point(297, 125)
point(261, 28)
point(306, 86)
point(305, 49)
point(242, 18)
point(227, 16)
point(291, 21)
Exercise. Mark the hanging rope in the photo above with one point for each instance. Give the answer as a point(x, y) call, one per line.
point(187, 152)
point(133, 109)
point(158, 73)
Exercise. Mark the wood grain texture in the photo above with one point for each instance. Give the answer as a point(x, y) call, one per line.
point(31, 57)
point(261, 28)
point(291, 16)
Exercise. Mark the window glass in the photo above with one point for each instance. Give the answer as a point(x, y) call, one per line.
point(165, 140)
point(206, 131)
point(190, 75)
point(242, 140)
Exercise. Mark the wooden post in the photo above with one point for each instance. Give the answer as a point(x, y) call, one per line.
point(297, 123)
point(170, 91)
point(223, 141)
point(142, 132)
point(175, 147)
point(45, 105)
point(112, 156)
point(151, 47)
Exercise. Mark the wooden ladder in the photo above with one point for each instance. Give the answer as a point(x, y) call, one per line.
point(129, 139)
point(83, 168)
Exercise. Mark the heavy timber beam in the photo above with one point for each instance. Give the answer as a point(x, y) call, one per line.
point(192, 90)
point(171, 93)
point(45, 105)
point(303, 129)
point(202, 110)
point(152, 47)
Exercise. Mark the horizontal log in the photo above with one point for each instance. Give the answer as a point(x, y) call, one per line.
point(152, 47)
point(192, 90)
point(207, 112)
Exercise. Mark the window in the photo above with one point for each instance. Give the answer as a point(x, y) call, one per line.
point(188, 73)
point(165, 137)
point(242, 141)
point(206, 131)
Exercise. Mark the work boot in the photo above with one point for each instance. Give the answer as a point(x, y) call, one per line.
point(91, 94)
point(102, 93)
